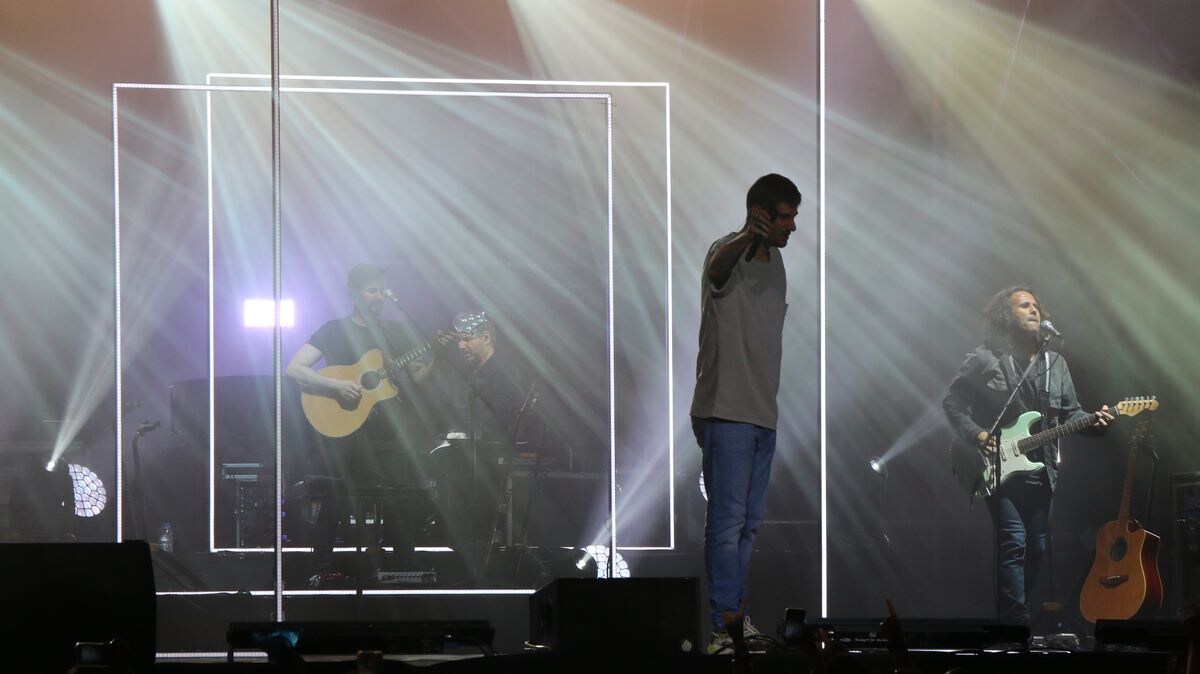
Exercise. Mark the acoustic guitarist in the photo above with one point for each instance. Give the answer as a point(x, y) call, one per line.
point(1014, 323)
point(373, 456)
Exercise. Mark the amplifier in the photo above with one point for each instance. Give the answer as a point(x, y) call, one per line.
point(553, 508)
point(1185, 502)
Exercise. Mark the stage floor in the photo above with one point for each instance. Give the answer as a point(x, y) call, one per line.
point(1031, 662)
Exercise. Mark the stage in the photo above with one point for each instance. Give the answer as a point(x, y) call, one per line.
point(377, 311)
point(881, 662)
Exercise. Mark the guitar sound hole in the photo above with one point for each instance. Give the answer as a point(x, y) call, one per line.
point(1117, 551)
point(369, 380)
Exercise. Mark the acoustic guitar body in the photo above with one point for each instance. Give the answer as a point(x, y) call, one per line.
point(1124, 582)
point(336, 418)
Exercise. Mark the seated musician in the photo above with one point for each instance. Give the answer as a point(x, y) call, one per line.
point(485, 399)
point(371, 458)
point(486, 395)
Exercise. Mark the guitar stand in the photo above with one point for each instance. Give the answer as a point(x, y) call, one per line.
point(1153, 483)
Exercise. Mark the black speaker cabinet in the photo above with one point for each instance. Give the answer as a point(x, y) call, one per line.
point(552, 508)
point(1185, 488)
point(57, 594)
point(627, 615)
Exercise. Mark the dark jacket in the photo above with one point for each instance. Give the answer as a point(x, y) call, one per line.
point(983, 384)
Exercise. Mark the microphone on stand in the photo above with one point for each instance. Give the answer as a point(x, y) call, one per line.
point(1049, 329)
point(387, 293)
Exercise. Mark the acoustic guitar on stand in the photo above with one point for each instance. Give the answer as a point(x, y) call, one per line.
point(1124, 580)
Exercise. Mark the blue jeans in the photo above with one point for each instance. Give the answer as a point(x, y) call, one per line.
point(736, 467)
point(1021, 540)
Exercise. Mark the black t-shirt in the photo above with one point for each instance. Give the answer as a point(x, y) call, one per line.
point(491, 399)
point(344, 342)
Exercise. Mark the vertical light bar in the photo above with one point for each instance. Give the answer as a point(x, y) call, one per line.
point(821, 302)
point(278, 327)
point(212, 452)
point(670, 332)
point(117, 306)
point(667, 131)
point(612, 380)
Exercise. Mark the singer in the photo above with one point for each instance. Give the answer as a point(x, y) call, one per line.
point(373, 456)
point(1014, 335)
point(734, 410)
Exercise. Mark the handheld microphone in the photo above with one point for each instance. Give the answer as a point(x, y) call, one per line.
point(758, 240)
point(387, 292)
point(753, 248)
point(1049, 329)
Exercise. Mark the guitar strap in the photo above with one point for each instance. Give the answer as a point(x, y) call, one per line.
point(1009, 367)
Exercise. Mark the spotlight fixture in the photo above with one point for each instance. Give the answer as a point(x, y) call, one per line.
point(90, 495)
point(599, 553)
point(877, 465)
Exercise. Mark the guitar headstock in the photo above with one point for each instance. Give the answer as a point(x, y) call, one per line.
point(1134, 406)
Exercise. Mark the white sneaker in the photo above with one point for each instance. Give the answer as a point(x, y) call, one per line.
point(721, 642)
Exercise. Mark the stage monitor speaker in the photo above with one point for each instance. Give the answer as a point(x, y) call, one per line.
point(627, 615)
point(1155, 635)
point(58, 594)
point(341, 638)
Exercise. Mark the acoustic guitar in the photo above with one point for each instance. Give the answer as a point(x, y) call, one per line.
point(1124, 580)
point(334, 417)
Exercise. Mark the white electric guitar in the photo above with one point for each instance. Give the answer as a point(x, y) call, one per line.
point(974, 470)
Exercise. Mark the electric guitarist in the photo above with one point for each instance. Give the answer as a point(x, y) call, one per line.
point(1015, 328)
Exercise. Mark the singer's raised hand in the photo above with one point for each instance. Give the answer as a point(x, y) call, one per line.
point(758, 222)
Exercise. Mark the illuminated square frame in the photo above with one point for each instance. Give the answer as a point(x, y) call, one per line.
point(606, 97)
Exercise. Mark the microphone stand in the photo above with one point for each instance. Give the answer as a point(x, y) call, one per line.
point(504, 508)
point(139, 515)
point(994, 460)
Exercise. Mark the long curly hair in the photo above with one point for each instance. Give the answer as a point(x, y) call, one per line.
point(998, 322)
